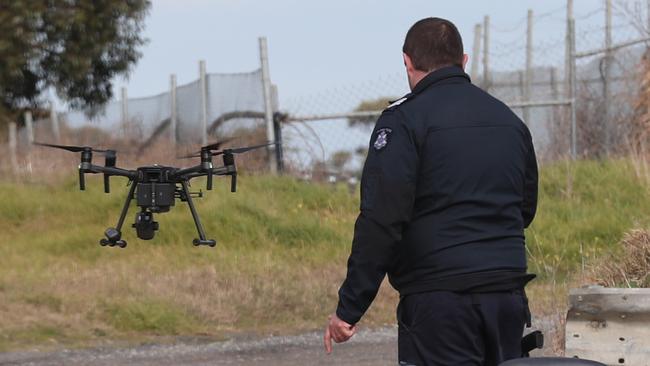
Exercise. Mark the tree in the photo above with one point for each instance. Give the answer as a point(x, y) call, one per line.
point(374, 105)
point(340, 159)
point(75, 47)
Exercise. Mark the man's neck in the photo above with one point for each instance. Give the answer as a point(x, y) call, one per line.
point(417, 76)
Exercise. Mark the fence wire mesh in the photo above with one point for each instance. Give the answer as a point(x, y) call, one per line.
point(326, 138)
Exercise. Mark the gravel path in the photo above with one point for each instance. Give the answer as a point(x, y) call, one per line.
point(369, 347)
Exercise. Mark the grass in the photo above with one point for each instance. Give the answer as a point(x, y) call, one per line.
point(280, 258)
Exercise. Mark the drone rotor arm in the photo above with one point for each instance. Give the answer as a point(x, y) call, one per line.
point(209, 181)
point(222, 170)
point(110, 171)
point(82, 180)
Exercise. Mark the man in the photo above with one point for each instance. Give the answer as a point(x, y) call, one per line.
point(449, 184)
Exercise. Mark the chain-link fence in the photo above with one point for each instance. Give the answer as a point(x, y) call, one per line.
point(576, 88)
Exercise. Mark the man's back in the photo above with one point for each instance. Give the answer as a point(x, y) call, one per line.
point(471, 201)
point(449, 184)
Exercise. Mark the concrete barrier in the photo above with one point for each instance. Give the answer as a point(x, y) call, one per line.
point(610, 325)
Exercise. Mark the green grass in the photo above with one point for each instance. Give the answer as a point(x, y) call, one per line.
point(281, 254)
point(583, 211)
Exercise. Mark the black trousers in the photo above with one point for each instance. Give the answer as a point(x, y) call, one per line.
point(447, 328)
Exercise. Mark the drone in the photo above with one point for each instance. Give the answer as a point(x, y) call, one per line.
point(156, 188)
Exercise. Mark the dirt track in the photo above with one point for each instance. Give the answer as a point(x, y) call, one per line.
point(370, 347)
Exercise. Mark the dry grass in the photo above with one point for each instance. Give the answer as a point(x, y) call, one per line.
point(629, 266)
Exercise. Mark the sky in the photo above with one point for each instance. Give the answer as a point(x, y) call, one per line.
point(318, 45)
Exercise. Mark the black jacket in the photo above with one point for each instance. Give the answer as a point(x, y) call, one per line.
point(449, 184)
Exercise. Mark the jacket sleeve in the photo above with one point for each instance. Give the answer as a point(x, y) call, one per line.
point(529, 206)
point(388, 185)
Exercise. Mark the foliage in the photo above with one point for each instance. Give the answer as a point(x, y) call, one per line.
point(75, 47)
point(373, 105)
point(340, 159)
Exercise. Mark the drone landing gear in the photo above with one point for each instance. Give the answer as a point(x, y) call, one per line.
point(113, 238)
point(114, 234)
point(201, 240)
point(208, 242)
point(118, 243)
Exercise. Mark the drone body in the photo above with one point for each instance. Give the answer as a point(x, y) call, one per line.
point(156, 188)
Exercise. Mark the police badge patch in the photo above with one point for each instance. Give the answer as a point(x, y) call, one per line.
point(382, 138)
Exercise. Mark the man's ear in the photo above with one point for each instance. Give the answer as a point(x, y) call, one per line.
point(465, 59)
point(408, 63)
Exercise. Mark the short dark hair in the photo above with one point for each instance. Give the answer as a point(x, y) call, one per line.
point(432, 43)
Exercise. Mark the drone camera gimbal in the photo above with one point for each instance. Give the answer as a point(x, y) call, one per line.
point(156, 188)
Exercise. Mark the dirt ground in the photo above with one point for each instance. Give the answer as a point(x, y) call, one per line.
point(368, 347)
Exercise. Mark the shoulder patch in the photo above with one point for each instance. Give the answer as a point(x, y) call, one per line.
point(383, 135)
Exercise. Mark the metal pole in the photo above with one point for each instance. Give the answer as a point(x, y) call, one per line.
point(476, 51)
point(607, 74)
point(553, 78)
point(647, 11)
point(529, 64)
point(574, 80)
point(204, 103)
point(13, 146)
point(568, 58)
point(54, 120)
point(29, 127)
point(522, 87)
point(268, 105)
point(277, 128)
point(554, 94)
point(486, 54)
point(173, 116)
point(125, 112)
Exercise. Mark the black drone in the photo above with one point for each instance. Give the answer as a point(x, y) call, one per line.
point(156, 187)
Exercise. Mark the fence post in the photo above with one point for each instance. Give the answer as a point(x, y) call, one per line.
point(125, 112)
point(607, 74)
point(173, 114)
point(277, 129)
point(573, 81)
point(13, 146)
point(554, 92)
point(522, 87)
point(268, 105)
point(647, 7)
point(476, 51)
point(204, 103)
point(29, 127)
point(54, 120)
point(567, 62)
point(486, 53)
point(529, 65)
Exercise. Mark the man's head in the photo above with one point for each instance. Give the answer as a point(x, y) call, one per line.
point(430, 44)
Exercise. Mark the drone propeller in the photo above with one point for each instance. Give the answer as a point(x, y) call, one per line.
point(217, 145)
point(210, 147)
point(241, 150)
point(71, 148)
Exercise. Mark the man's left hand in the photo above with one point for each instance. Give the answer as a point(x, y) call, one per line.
point(338, 330)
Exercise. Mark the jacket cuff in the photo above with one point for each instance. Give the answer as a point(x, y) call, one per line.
point(346, 316)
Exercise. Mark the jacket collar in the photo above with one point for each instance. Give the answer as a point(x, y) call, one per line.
point(436, 76)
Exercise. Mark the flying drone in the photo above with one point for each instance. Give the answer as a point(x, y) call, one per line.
point(156, 188)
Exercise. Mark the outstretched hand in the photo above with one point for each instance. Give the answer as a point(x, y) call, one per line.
point(338, 330)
